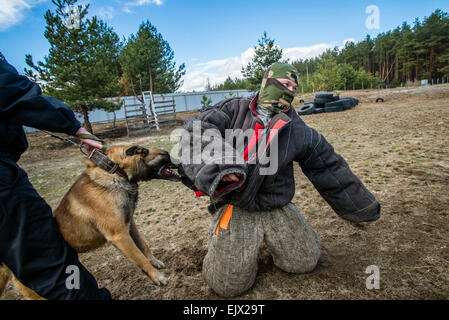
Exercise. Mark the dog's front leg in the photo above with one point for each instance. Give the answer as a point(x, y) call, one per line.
point(143, 246)
point(126, 245)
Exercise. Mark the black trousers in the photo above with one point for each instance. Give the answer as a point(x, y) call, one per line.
point(31, 244)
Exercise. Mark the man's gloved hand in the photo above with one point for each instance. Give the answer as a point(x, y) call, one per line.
point(232, 177)
point(89, 144)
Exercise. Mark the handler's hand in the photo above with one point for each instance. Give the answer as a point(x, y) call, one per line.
point(231, 177)
point(89, 145)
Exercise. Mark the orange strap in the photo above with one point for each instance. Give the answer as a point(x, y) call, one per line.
point(224, 221)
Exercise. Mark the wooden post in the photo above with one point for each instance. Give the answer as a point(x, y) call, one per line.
point(151, 89)
point(154, 112)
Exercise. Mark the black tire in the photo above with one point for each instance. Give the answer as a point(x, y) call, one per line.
point(306, 109)
point(354, 101)
point(322, 100)
point(340, 105)
point(319, 105)
point(349, 103)
point(319, 110)
point(324, 95)
point(335, 98)
point(380, 100)
point(334, 109)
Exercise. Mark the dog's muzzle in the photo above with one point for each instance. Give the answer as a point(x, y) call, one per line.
point(166, 172)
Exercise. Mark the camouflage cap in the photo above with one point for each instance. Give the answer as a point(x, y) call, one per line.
point(282, 70)
point(273, 95)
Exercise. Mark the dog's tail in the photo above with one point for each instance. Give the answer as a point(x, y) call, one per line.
point(5, 274)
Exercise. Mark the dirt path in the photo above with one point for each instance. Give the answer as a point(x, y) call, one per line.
point(398, 148)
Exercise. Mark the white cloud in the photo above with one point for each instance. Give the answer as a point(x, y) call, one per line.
point(106, 12)
point(13, 11)
point(127, 10)
point(144, 2)
point(216, 71)
point(297, 53)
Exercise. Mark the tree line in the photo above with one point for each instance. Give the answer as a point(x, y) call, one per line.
point(407, 53)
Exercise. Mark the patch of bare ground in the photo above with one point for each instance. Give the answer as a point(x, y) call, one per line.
point(398, 148)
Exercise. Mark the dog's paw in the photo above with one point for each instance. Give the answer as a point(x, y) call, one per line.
point(159, 279)
point(157, 263)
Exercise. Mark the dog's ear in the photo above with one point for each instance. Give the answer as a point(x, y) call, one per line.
point(131, 151)
point(136, 150)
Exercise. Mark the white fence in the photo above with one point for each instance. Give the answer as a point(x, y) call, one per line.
point(185, 101)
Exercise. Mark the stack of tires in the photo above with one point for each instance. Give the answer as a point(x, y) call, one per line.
point(327, 102)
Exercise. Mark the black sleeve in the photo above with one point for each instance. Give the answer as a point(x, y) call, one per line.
point(334, 180)
point(205, 170)
point(21, 102)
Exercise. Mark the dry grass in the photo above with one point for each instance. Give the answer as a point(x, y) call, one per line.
point(398, 148)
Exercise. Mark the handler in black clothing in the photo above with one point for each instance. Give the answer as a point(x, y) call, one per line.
point(31, 245)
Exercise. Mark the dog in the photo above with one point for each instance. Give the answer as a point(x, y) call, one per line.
point(99, 208)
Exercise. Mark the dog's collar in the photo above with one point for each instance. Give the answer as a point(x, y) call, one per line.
point(102, 161)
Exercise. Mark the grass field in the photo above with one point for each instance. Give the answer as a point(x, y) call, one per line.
point(399, 149)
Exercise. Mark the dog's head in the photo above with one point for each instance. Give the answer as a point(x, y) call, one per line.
point(142, 164)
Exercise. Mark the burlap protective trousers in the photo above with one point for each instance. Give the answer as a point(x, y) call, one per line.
point(235, 236)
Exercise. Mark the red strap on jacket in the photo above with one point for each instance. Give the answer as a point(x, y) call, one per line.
point(253, 142)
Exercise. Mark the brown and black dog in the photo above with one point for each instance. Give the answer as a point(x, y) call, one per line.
point(99, 208)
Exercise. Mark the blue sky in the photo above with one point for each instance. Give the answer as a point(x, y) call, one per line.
point(215, 38)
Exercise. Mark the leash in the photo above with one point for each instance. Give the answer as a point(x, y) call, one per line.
point(97, 156)
point(79, 145)
point(81, 136)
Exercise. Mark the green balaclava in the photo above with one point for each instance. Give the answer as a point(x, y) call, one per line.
point(273, 95)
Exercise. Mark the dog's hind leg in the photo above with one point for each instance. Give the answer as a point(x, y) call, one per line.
point(25, 291)
point(143, 246)
point(5, 274)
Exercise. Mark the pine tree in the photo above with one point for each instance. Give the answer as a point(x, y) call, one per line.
point(435, 30)
point(231, 84)
point(147, 61)
point(266, 54)
point(328, 70)
point(205, 102)
point(348, 75)
point(82, 66)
